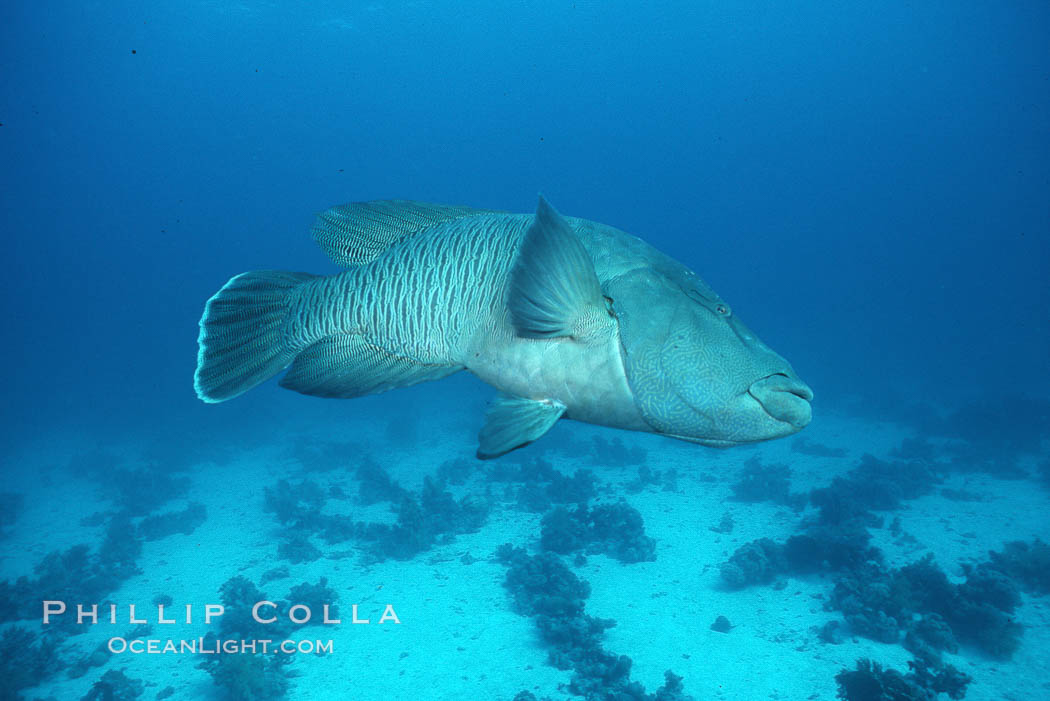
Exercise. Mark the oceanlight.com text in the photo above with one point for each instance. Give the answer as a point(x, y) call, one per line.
point(215, 646)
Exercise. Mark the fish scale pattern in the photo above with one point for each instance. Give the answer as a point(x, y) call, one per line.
point(425, 296)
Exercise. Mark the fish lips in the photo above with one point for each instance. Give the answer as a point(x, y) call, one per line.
point(784, 398)
point(784, 401)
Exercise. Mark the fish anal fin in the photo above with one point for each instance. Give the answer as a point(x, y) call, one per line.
point(349, 366)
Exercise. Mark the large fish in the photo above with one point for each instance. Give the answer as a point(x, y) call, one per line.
point(565, 317)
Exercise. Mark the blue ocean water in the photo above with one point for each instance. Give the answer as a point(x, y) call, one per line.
point(867, 185)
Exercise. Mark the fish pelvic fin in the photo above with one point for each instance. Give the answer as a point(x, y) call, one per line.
point(514, 422)
point(242, 340)
point(553, 288)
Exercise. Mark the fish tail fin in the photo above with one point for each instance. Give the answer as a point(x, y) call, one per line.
point(243, 340)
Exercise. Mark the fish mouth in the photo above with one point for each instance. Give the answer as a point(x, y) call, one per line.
point(708, 442)
point(784, 401)
point(784, 398)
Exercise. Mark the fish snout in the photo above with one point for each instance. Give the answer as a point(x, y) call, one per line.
point(784, 398)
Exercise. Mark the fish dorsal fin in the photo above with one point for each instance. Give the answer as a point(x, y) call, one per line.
point(553, 283)
point(512, 422)
point(356, 233)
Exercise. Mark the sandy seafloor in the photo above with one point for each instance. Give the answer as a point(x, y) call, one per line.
point(459, 637)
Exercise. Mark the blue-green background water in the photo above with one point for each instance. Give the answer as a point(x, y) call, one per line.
point(867, 183)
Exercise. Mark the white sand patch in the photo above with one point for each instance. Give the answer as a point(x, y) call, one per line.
point(458, 636)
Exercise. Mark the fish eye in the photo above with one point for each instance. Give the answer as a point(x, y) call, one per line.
point(722, 310)
point(609, 305)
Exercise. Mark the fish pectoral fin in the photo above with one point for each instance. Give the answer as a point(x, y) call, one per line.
point(349, 366)
point(356, 233)
point(512, 422)
point(553, 283)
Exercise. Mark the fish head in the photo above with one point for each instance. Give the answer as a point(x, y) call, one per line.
point(695, 371)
